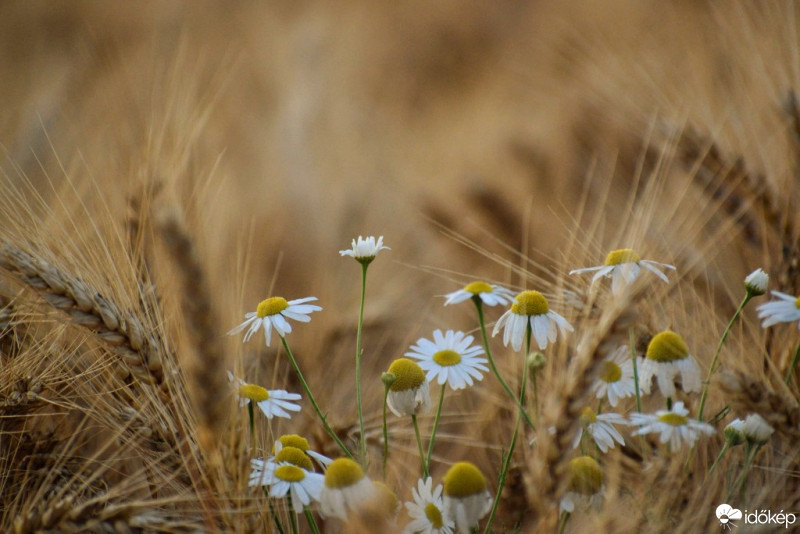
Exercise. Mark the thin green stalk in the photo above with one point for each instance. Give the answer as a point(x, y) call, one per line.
point(292, 517)
point(385, 430)
point(362, 442)
point(419, 446)
point(435, 427)
point(501, 482)
point(739, 484)
point(312, 523)
point(272, 512)
point(632, 339)
point(310, 396)
point(725, 448)
point(479, 306)
point(252, 426)
point(713, 367)
point(563, 523)
point(790, 371)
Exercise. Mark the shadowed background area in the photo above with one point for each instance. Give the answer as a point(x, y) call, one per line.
point(507, 141)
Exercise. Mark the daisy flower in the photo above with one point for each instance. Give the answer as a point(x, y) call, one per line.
point(427, 511)
point(489, 294)
point(585, 484)
point(466, 497)
point(756, 282)
point(530, 309)
point(784, 310)
point(667, 356)
point(346, 489)
point(299, 442)
point(616, 377)
point(365, 249)
point(624, 266)
point(733, 433)
point(450, 358)
point(601, 429)
point(273, 312)
point(672, 425)
point(291, 472)
point(273, 402)
point(756, 430)
point(409, 394)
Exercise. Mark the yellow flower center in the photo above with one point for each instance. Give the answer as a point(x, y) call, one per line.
point(343, 472)
point(253, 392)
point(585, 475)
point(464, 479)
point(610, 372)
point(271, 306)
point(623, 255)
point(294, 456)
point(530, 303)
point(293, 440)
point(673, 419)
point(290, 473)
point(588, 416)
point(478, 287)
point(434, 515)
point(447, 357)
point(409, 374)
point(797, 302)
point(667, 347)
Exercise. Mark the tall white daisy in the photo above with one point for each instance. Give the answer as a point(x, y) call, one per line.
point(601, 429)
point(410, 393)
point(427, 510)
point(623, 266)
point(667, 357)
point(784, 310)
point(489, 294)
point(673, 426)
point(347, 489)
point(449, 358)
point(615, 380)
point(272, 313)
point(530, 308)
point(466, 497)
point(290, 473)
point(365, 249)
point(273, 402)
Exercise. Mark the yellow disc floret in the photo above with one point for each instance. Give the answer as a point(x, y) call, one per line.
point(434, 515)
point(409, 374)
point(478, 287)
point(667, 347)
point(530, 303)
point(673, 419)
point(585, 475)
point(447, 357)
point(588, 416)
point(253, 392)
point(623, 255)
point(271, 306)
point(610, 372)
point(343, 472)
point(290, 473)
point(464, 479)
point(797, 302)
point(293, 440)
point(294, 456)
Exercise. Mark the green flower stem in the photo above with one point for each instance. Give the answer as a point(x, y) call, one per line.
point(479, 306)
point(310, 396)
point(632, 339)
point(419, 446)
point(563, 523)
point(435, 427)
point(312, 523)
point(362, 442)
point(292, 516)
point(385, 432)
point(252, 426)
point(501, 482)
point(713, 367)
point(722, 452)
point(272, 511)
point(738, 486)
point(790, 371)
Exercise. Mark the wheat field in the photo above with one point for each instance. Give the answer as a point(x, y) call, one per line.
point(166, 166)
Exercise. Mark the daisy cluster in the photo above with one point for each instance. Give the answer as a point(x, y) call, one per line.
point(347, 488)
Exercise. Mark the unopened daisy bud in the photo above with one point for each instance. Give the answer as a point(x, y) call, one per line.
point(409, 394)
point(365, 249)
point(756, 429)
point(346, 489)
point(535, 361)
point(388, 379)
point(466, 497)
point(756, 282)
point(733, 433)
